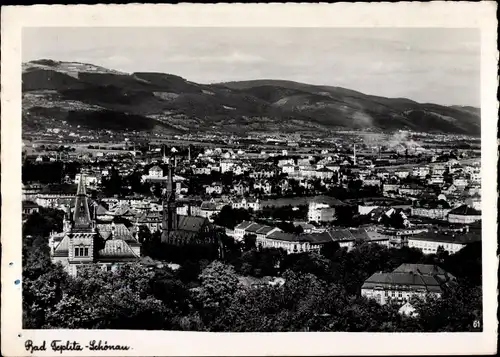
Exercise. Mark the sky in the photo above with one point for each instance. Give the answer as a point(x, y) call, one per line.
point(427, 65)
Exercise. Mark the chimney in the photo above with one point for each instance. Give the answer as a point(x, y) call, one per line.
point(354, 155)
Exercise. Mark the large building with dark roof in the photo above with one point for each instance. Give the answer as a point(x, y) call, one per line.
point(464, 215)
point(83, 242)
point(182, 229)
point(451, 241)
point(406, 281)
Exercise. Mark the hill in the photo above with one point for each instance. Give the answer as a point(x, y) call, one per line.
point(98, 98)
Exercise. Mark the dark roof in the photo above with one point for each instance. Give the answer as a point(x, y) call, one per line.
point(427, 277)
point(409, 281)
point(81, 217)
point(265, 229)
point(208, 206)
point(254, 227)
point(423, 269)
point(465, 211)
point(348, 234)
point(448, 237)
point(284, 236)
point(243, 225)
point(317, 238)
point(115, 231)
point(29, 204)
point(101, 210)
point(117, 249)
point(190, 223)
point(433, 204)
point(332, 201)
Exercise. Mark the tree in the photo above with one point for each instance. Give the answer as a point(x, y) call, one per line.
point(189, 271)
point(395, 220)
point(105, 299)
point(308, 263)
point(460, 309)
point(218, 284)
point(42, 223)
point(466, 264)
point(229, 217)
point(144, 234)
point(42, 290)
point(112, 185)
point(249, 241)
point(441, 254)
point(259, 263)
point(328, 249)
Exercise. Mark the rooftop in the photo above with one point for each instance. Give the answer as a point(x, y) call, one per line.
point(190, 223)
point(423, 277)
point(465, 211)
point(448, 237)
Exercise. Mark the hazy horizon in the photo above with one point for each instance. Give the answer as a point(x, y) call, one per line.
point(439, 66)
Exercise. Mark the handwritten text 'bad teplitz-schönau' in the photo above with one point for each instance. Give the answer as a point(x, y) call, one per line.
point(62, 346)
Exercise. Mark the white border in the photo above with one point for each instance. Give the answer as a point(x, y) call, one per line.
point(436, 14)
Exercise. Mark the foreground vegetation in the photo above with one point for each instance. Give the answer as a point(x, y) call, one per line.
point(320, 293)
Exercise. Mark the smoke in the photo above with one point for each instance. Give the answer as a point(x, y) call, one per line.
point(402, 138)
point(399, 138)
point(362, 119)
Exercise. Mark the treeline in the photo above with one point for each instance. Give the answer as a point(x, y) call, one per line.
point(48, 173)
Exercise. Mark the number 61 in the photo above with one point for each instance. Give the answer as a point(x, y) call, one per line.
point(476, 324)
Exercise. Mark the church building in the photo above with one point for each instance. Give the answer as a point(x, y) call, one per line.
point(84, 242)
point(183, 229)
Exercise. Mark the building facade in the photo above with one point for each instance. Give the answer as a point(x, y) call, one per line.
point(83, 242)
point(406, 281)
point(320, 212)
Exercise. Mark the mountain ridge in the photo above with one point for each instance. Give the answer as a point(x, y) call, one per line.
point(171, 103)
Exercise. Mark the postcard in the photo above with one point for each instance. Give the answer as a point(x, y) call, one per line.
point(261, 179)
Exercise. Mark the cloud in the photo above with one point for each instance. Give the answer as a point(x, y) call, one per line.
point(234, 57)
point(118, 60)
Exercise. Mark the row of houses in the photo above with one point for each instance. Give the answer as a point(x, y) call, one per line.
point(463, 214)
point(273, 237)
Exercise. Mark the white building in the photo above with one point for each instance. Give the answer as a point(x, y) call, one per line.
point(320, 212)
point(406, 281)
point(247, 203)
point(214, 189)
point(247, 227)
point(90, 180)
point(293, 243)
point(155, 171)
point(429, 242)
point(288, 169)
point(421, 171)
point(226, 166)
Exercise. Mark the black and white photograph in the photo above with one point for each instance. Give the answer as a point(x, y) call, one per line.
point(249, 179)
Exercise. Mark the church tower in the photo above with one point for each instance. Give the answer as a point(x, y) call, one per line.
point(165, 159)
point(82, 232)
point(169, 223)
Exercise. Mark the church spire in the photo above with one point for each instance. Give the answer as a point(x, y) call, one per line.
point(169, 205)
point(170, 184)
point(81, 217)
